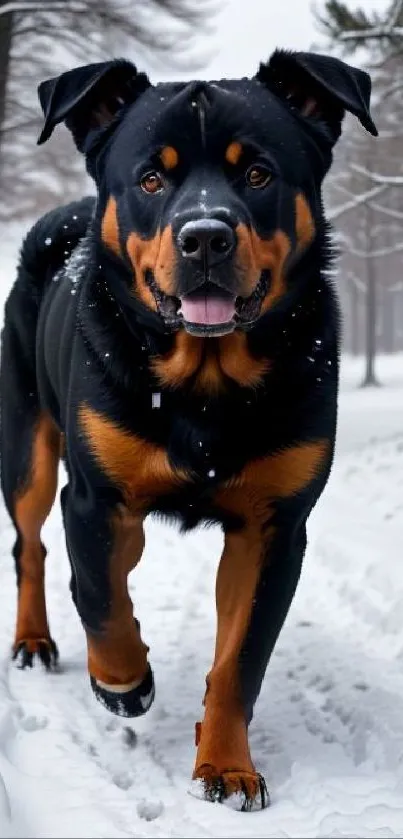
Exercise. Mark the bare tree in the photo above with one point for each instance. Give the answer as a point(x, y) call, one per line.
point(40, 38)
point(5, 48)
point(364, 190)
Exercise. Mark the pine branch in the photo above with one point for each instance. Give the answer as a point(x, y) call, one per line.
point(356, 28)
point(372, 33)
point(337, 18)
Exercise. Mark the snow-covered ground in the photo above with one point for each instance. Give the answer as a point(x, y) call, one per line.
point(328, 729)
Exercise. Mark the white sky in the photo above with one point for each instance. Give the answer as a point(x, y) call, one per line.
point(247, 31)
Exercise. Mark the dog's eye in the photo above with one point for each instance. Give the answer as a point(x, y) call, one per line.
point(152, 182)
point(258, 176)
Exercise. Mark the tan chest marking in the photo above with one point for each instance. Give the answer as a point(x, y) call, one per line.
point(286, 472)
point(280, 475)
point(141, 469)
point(210, 360)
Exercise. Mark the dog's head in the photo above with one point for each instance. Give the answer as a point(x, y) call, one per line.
point(209, 191)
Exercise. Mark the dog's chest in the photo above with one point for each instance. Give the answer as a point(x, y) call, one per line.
point(202, 469)
point(169, 445)
point(208, 442)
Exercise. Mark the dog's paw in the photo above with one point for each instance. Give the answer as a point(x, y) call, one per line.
point(43, 649)
point(126, 701)
point(244, 791)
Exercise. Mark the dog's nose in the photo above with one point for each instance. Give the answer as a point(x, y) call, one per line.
point(206, 240)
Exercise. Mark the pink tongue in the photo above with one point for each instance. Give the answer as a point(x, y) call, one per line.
point(208, 310)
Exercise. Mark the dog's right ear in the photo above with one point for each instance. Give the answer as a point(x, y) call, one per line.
point(89, 98)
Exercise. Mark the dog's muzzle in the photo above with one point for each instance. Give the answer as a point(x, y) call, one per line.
point(205, 245)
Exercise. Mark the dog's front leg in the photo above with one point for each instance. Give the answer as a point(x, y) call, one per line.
point(104, 544)
point(257, 577)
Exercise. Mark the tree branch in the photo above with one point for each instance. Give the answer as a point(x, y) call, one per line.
point(386, 180)
point(387, 211)
point(355, 202)
point(376, 253)
point(15, 7)
point(372, 34)
point(389, 29)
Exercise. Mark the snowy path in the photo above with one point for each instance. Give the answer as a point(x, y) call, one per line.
point(328, 729)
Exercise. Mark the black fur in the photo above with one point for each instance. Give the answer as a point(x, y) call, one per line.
point(75, 332)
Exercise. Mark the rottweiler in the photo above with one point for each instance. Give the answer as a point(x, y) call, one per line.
point(175, 340)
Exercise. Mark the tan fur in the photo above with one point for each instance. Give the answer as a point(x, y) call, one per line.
point(210, 360)
point(141, 469)
point(157, 255)
point(110, 227)
point(222, 738)
point(304, 223)
point(169, 157)
point(117, 656)
point(234, 152)
point(33, 503)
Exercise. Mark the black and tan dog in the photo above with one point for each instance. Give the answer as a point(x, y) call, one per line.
point(176, 342)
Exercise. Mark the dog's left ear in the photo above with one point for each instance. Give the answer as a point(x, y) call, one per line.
point(89, 98)
point(319, 86)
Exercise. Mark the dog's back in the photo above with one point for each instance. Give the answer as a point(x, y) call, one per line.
point(47, 247)
point(45, 250)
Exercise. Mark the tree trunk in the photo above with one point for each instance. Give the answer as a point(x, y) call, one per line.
point(6, 31)
point(355, 346)
point(388, 326)
point(370, 326)
point(370, 296)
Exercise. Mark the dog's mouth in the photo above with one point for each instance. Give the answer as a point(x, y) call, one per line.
point(210, 311)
